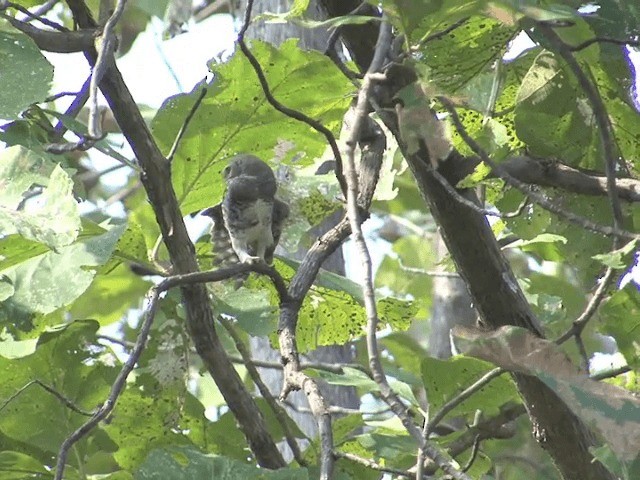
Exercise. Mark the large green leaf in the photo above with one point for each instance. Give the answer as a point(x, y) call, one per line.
point(455, 59)
point(612, 411)
point(61, 360)
point(115, 288)
point(552, 117)
point(52, 217)
point(46, 282)
point(30, 73)
point(445, 379)
point(234, 117)
point(187, 464)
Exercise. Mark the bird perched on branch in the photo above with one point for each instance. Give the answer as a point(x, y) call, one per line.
point(249, 220)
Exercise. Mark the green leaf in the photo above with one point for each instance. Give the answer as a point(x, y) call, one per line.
point(455, 59)
point(61, 360)
point(407, 272)
point(623, 470)
point(110, 296)
point(16, 466)
point(553, 119)
point(352, 377)
point(252, 310)
point(187, 464)
point(396, 313)
point(396, 447)
point(52, 217)
point(37, 283)
point(234, 117)
point(620, 258)
point(445, 379)
point(316, 207)
point(16, 249)
point(159, 428)
point(31, 73)
point(620, 314)
point(612, 411)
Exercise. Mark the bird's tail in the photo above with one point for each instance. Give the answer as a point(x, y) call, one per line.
point(223, 253)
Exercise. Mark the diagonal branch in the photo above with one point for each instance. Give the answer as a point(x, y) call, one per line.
point(500, 301)
point(156, 179)
point(353, 213)
point(50, 41)
point(536, 197)
point(116, 389)
point(555, 174)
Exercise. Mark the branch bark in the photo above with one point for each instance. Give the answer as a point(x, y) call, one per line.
point(156, 179)
point(499, 301)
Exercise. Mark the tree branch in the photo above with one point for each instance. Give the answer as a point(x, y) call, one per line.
point(156, 178)
point(276, 408)
point(555, 174)
point(57, 42)
point(116, 389)
point(389, 396)
point(534, 196)
point(499, 301)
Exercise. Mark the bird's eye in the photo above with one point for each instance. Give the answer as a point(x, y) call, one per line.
point(226, 171)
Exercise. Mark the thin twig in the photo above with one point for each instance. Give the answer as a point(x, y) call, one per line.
point(36, 16)
point(123, 194)
point(67, 403)
point(353, 214)
point(328, 367)
point(461, 397)
point(446, 31)
point(371, 464)
point(526, 189)
point(295, 114)
point(610, 373)
point(615, 41)
point(56, 96)
point(431, 38)
point(474, 453)
point(582, 350)
point(226, 273)
point(187, 120)
point(45, 8)
point(580, 322)
point(333, 409)
point(498, 427)
point(105, 58)
point(74, 108)
point(117, 341)
point(331, 52)
point(276, 408)
point(607, 138)
point(116, 388)
point(472, 205)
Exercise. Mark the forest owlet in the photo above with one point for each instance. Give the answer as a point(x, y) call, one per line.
point(249, 220)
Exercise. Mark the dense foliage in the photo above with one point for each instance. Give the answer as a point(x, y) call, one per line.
point(72, 308)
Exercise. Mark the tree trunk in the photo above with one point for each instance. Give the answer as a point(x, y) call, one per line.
point(451, 307)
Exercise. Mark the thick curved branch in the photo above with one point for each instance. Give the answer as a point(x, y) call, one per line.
point(500, 301)
point(156, 179)
point(57, 42)
point(556, 174)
